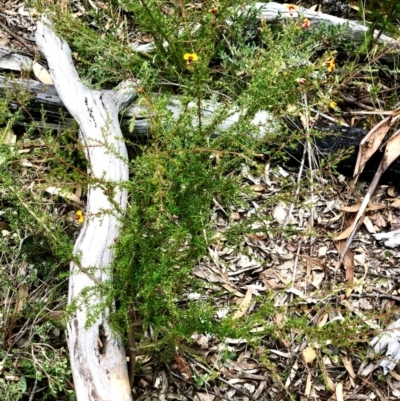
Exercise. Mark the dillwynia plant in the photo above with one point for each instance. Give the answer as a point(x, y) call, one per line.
point(205, 57)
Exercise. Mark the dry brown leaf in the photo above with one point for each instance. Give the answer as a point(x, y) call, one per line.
point(64, 6)
point(313, 261)
point(395, 375)
point(344, 234)
point(315, 7)
point(21, 298)
point(244, 305)
point(183, 366)
point(352, 208)
point(348, 260)
point(339, 392)
point(370, 144)
point(392, 152)
point(60, 192)
point(330, 383)
point(307, 391)
point(317, 279)
point(391, 191)
point(349, 367)
point(3, 39)
point(257, 236)
point(231, 289)
point(42, 74)
point(390, 218)
point(374, 387)
point(376, 206)
point(322, 320)
point(204, 397)
point(368, 225)
point(78, 191)
point(356, 207)
point(257, 188)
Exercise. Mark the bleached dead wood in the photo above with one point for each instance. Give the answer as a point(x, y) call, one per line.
point(387, 345)
point(97, 354)
point(270, 12)
point(392, 238)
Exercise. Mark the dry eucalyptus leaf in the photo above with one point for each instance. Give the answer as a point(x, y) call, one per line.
point(244, 305)
point(42, 74)
point(307, 391)
point(349, 367)
point(257, 188)
point(322, 320)
point(368, 225)
point(21, 298)
point(339, 392)
point(392, 191)
point(64, 194)
point(3, 39)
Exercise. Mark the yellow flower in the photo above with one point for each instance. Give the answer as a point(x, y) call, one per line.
point(79, 216)
point(190, 57)
point(332, 104)
point(330, 64)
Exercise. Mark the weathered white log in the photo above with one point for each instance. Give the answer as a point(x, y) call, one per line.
point(388, 345)
point(392, 238)
point(97, 355)
point(270, 12)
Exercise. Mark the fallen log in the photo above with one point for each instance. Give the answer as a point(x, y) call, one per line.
point(270, 12)
point(97, 354)
point(330, 137)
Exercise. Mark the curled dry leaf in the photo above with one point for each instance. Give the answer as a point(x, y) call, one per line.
point(348, 260)
point(64, 194)
point(392, 152)
point(42, 74)
point(349, 367)
point(370, 144)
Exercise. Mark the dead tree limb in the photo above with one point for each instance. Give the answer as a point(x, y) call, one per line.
point(97, 354)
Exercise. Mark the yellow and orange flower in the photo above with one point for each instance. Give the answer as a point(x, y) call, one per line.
point(190, 58)
point(306, 23)
point(330, 64)
point(291, 8)
point(79, 216)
